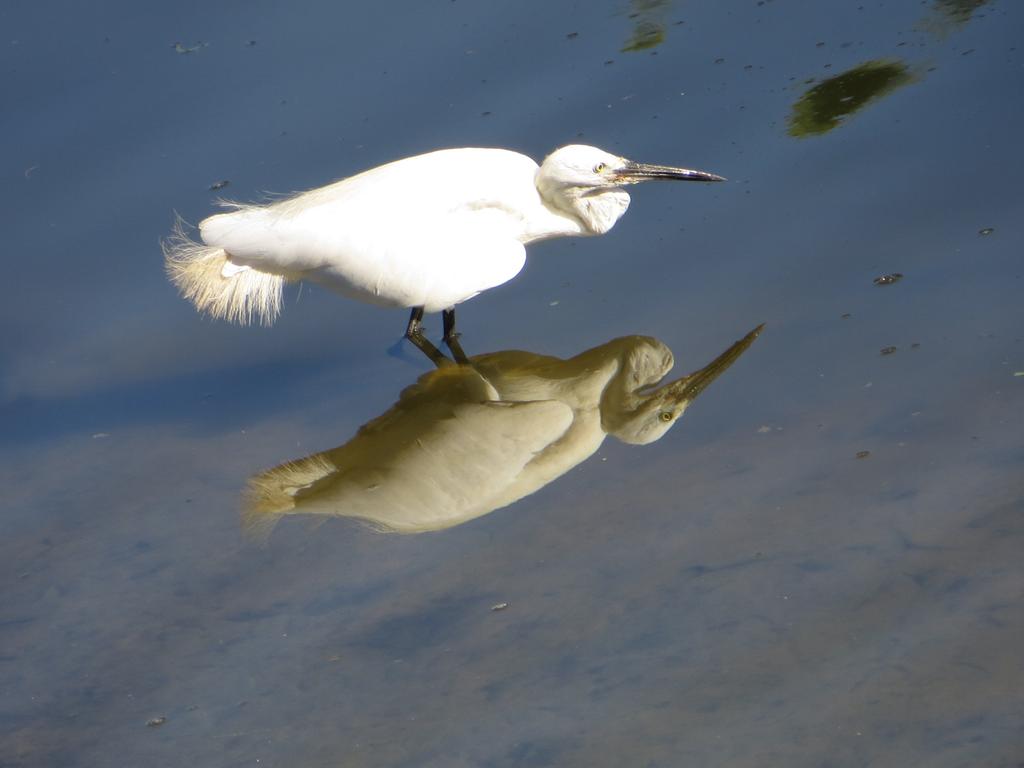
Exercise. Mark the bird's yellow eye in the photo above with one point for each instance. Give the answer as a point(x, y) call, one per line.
point(600, 168)
point(665, 416)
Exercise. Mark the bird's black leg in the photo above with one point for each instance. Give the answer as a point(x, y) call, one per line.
point(414, 333)
point(415, 323)
point(451, 338)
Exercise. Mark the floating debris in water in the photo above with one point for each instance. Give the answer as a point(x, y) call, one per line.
point(219, 185)
point(846, 315)
point(1018, 373)
point(892, 277)
point(887, 350)
point(155, 722)
point(499, 606)
point(179, 48)
point(986, 231)
point(863, 454)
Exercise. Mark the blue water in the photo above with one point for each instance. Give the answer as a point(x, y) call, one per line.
point(744, 592)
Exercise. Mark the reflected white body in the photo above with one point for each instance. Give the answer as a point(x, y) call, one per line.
point(466, 440)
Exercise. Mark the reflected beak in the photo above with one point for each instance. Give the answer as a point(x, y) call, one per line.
point(688, 387)
point(631, 173)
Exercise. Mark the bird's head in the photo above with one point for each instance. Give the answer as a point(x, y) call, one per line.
point(638, 410)
point(587, 182)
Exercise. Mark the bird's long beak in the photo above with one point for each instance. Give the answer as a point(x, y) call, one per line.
point(631, 173)
point(688, 387)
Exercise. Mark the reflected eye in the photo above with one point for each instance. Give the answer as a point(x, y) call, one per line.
point(600, 168)
point(665, 416)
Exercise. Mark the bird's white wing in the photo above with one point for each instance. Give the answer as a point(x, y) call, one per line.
point(430, 231)
point(433, 263)
point(474, 251)
point(405, 197)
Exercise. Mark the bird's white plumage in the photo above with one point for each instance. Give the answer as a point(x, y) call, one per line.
point(428, 231)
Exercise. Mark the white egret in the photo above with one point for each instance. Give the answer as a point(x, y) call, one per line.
point(468, 439)
point(426, 232)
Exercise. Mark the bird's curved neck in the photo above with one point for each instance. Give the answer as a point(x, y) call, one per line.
point(591, 211)
point(619, 402)
point(551, 221)
point(629, 382)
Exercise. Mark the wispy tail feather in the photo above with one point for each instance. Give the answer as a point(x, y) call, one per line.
point(205, 276)
point(272, 494)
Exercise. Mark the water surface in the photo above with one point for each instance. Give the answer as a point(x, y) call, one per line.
point(820, 565)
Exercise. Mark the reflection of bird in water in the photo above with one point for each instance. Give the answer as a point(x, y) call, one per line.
point(466, 440)
point(427, 232)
